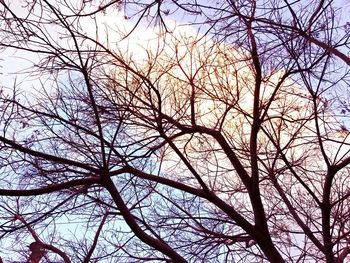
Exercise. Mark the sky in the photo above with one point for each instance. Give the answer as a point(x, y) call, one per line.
point(142, 38)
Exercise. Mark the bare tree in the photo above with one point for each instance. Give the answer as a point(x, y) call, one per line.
point(221, 141)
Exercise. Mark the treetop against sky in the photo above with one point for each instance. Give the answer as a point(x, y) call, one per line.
point(174, 131)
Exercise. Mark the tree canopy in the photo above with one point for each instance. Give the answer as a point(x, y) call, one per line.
point(174, 131)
